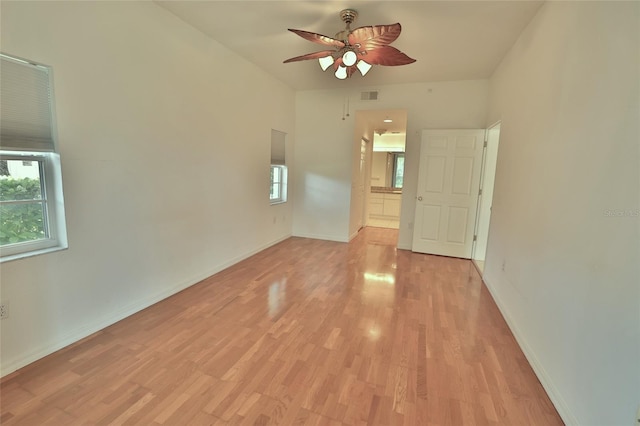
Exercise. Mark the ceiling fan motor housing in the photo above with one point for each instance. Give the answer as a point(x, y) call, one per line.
point(348, 16)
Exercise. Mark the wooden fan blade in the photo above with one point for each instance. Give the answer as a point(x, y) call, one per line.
point(318, 38)
point(375, 36)
point(314, 55)
point(386, 55)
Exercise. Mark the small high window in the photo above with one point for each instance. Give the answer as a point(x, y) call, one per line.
point(278, 191)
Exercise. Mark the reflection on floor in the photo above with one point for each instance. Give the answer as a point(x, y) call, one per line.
point(384, 223)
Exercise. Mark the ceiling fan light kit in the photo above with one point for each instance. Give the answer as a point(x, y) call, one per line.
point(349, 58)
point(363, 67)
point(326, 62)
point(359, 49)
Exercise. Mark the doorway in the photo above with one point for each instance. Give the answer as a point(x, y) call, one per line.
point(387, 179)
point(485, 197)
point(387, 167)
point(382, 134)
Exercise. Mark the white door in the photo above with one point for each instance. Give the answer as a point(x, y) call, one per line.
point(448, 183)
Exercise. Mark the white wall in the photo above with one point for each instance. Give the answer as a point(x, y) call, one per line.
point(568, 97)
point(324, 146)
point(164, 136)
point(379, 169)
point(18, 170)
point(393, 142)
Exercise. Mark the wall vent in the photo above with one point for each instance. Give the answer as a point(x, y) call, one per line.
point(369, 96)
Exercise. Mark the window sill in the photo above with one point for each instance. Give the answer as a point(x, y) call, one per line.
point(274, 202)
point(32, 253)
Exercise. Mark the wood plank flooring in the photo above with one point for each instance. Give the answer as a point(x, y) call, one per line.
point(306, 332)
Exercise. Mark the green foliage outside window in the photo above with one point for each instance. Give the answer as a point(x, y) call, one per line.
point(397, 180)
point(24, 221)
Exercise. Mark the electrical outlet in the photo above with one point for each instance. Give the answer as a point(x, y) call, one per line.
point(4, 310)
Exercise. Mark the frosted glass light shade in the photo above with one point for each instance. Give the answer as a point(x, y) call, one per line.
point(363, 67)
point(325, 62)
point(341, 73)
point(349, 58)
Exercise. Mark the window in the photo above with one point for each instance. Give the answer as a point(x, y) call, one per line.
point(396, 166)
point(277, 194)
point(397, 178)
point(31, 202)
point(278, 185)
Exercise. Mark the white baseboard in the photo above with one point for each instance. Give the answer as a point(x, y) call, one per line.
point(404, 246)
point(113, 317)
point(321, 237)
point(547, 383)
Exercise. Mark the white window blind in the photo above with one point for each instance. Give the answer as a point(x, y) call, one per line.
point(25, 102)
point(278, 147)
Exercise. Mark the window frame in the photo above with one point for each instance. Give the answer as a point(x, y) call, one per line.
point(53, 214)
point(281, 185)
point(394, 175)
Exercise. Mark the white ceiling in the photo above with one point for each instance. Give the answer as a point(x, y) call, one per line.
point(375, 120)
point(451, 40)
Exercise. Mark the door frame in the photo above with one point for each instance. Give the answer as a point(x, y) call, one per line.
point(486, 190)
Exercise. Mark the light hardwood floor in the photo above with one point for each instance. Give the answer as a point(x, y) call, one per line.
point(305, 332)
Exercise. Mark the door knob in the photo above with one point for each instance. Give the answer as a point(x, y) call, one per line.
point(420, 198)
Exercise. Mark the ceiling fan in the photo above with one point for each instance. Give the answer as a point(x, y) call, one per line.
point(355, 49)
